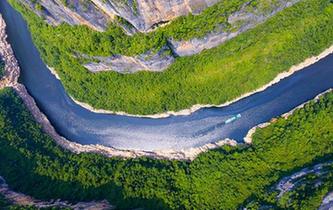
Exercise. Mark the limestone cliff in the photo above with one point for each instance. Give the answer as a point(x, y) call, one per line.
point(142, 14)
point(125, 64)
point(74, 13)
point(240, 21)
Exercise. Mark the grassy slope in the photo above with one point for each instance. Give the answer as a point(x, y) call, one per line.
point(213, 77)
point(219, 179)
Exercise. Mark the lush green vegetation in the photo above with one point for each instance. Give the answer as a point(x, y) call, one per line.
point(220, 179)
point(212, 77)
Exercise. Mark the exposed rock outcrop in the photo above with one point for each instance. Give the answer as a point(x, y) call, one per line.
point(145, 14)
point(12, 70)
point(124, 64)
point(25, 200)
point(239, 21)
point(142, 14)
point(248, 17)
point(76, 12)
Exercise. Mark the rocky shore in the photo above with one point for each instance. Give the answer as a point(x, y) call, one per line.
point(25, 200)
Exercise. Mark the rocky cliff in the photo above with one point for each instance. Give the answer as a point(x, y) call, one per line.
point(240, 21)
point(149, 61)
point(144, 15)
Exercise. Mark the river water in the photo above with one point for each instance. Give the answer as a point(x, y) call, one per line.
point(176, 132)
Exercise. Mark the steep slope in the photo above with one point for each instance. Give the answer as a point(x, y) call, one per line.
point(142, 14)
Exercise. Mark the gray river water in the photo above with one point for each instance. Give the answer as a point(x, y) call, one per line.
point(176, 132)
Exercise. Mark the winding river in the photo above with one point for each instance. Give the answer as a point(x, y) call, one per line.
point(176, 132)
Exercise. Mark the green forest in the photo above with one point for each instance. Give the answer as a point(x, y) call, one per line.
point(212, 77)
point(225, 178)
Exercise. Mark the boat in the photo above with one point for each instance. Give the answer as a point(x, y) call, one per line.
point(233, 118)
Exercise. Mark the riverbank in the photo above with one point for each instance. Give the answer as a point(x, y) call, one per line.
point(248, 138)
point(185, 154)
point(12, 71)
point(194, 108)
point(40, 160)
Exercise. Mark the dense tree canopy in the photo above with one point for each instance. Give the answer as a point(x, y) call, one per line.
point(225, 178)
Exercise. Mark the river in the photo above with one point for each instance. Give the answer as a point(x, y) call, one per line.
point(176, 132)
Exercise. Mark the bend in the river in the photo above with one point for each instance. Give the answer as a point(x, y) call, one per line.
point(175, 132)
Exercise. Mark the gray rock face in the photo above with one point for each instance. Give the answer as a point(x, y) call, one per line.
point(151, 12)
point(125, 64)
point(240, 22)
point(145, 15)
point(75, 13)
point(142, 14)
